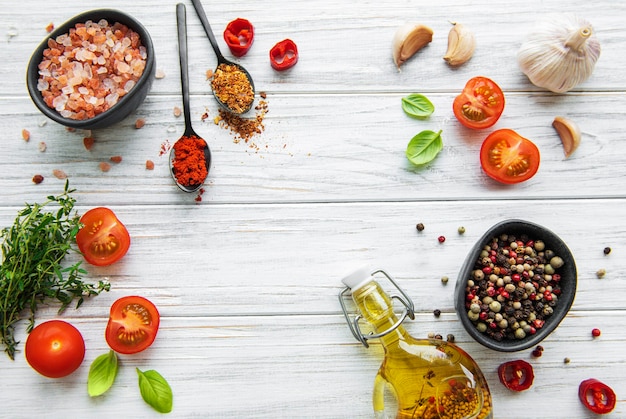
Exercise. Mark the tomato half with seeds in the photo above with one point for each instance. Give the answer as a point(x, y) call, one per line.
point(133, 325)
point(103, 239)
point(508, 157)
point(597, 396)
point(480, 104)
point(55, 349)
point(516, 375)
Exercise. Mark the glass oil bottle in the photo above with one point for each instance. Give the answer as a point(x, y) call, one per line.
point(429, 378)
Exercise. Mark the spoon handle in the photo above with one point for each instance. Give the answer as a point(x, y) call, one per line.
point(181, 22)
point(207, 28)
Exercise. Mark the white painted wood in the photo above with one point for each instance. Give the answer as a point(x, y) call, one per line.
point(247, 279)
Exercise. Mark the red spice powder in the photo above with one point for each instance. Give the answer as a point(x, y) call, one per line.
point(189, 164)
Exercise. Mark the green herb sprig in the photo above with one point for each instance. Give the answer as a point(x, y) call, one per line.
point(33, 249)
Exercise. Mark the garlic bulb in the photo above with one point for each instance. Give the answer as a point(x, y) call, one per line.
point(560, 54)
point(461, 45)
point(409, 39)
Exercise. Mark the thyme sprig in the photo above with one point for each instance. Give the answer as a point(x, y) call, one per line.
point(33, 249)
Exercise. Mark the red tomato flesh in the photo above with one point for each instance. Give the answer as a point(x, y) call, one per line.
point(103, 239)
point(480, 104)
point(508, 157)
point(55, 349)
point(133, 325)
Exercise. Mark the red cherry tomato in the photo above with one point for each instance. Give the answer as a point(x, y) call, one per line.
point(103, 239)
point(55, 349)
point(597, 396)
point(133, 325)
point(239, 35)
point(516, 375)
point(508, 157)
point(480, 104)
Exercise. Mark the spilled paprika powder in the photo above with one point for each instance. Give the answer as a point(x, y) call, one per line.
point(189, 163)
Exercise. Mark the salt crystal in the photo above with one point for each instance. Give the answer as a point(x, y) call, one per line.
point(67, 89)
point(42, 85)
point(122, 67)
point(129, 85)
point(92, 100)
point(83, 90)
point(102, 70)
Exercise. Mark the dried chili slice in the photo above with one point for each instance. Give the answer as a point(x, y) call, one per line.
point(239, 35)
point(284, 55)
point(516, 375)
point(597, 396)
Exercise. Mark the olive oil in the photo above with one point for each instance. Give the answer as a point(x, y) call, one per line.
point(429, 378)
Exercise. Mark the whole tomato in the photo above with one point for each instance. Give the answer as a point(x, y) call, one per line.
point(55, 349)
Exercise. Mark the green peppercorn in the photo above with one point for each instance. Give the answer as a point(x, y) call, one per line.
point(495, 306)
point(556, 262)
point(472, 316)
point(444, 280)
point(461, 230)
point(481, 327)
point(520, 334)
point(540, 246)
point(601, 273)
point(474, 307)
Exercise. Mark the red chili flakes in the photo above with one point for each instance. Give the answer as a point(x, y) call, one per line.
point(204, 116)
point(116, 159)
point(37, 179)
point(263, 95)
point(139, 123)
point(59, 174)
point(88, 142)
point(104, 166)
point(165, 147)
point(50, 27)
point(243, 128)
point(25, 134)
point(149, 165)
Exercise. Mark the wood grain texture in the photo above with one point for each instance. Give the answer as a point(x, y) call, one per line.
point(247, 278)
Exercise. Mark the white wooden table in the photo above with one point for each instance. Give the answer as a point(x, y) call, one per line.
point(247, 279)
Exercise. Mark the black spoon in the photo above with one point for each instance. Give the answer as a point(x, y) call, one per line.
point(184, 77)
point(221, 60)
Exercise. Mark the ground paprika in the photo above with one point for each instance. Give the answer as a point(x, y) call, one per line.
point(189, 163)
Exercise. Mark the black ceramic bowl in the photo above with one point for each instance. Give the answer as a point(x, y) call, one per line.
point(567, 284)
point(127, 104)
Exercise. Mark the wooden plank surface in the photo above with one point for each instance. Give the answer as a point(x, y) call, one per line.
point(247, 278)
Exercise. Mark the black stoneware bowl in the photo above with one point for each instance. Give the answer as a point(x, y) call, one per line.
point(567, 284)
point(127, 104)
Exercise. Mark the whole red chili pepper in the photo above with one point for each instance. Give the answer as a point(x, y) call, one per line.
point(284, 55)
point(597, 396)
point(516, 375)
point(239, 35)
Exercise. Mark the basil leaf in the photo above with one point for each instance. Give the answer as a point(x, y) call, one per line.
point(102, 373)
point(424, 147)
point(417, 106)
point(155, 390)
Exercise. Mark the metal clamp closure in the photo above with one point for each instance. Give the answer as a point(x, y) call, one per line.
point(409, 311)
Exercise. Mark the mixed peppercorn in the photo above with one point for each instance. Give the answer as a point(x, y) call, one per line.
point(513, 288)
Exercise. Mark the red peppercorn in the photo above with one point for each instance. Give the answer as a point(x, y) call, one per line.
point(505, 294)
point(441, 239)
point(516, 277)
point(491, 291)
point(536, 353)
point(487, 270)
point(483, 315)
point(595, 332)
point(556, 277)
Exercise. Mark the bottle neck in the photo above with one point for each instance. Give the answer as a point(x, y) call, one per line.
point(376, 307)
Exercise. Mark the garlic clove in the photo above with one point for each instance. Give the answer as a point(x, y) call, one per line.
point(559, 54)
point(461, 45)
point(569, 132)
point(409, 39)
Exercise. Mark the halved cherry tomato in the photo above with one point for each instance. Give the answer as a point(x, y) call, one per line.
point(516, 375)
point(508, 157)
point(103, 239)
point(597, 396)
point(133, 325)
point(55, 349)
point(480, 104)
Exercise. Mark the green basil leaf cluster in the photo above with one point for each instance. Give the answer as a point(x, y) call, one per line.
point(155, 390)
point(424, 147)
point(417, 106)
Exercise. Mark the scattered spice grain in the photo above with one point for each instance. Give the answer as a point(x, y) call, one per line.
point(37, 179)
point(189, 162)
point(420, 227)
point(441, 239)
point(444, 280)
point(232, 87)
point(116, 159)
point(25, 134)
point(139, 123)
point(566, 360)
point(59, 174)
point(159, 74)
point(601, 273)
point(177, 111)
point(595, 332)
point(50, 27)
point(86, 71)
point(88, 143)
point(149, 165)
point(437, 312)
point(607, 250)
point(461, 230)
point(42, 146)
point(104, 166)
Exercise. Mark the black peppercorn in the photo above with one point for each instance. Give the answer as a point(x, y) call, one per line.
point(607, 250)
point(419, 227)
point(437, 312)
